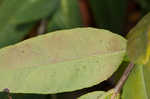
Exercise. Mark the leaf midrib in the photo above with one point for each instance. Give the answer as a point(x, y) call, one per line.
point(82, 58)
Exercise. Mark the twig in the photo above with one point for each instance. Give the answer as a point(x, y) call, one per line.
point(42, 27)
point(8, 92)
point(121, 82)
point(86, 13)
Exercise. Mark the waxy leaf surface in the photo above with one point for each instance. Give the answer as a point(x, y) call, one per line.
point(61, 61)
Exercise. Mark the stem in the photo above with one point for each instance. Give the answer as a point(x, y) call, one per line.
point(42, 27)
point(86, 13)
point(121, 82)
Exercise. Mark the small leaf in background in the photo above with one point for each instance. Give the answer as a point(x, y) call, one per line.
point(138, 84)
point(30, 10)
point(109, 14)
point(61, 61)
point(99, 95)
point(139, 41)
point(67, 16)
point(93, 95)
point(14, 33)
point(17, 18)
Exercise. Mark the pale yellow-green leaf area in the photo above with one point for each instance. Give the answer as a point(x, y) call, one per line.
point(139, 41)
point(138, 84)
point(99, 95)
point(109, 95)
point(61, 61)
point(93, 95)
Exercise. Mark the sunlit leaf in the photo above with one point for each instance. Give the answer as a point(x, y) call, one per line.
point(93, 95)
point(99, 95)
point(61, 61)
point(139, 41)
point(138, 83)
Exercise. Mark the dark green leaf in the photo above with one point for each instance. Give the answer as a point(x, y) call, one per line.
point(109, 14)
point(66, 16)
point(11, 34)
point(23, 11)
point(17, 16)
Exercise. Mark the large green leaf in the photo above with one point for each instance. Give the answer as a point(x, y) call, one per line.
point(139, 41)
point(61, 61)
point(109, 14)
point(66, 16)
point(99, 95)
point(138, 83)
point(17, 16)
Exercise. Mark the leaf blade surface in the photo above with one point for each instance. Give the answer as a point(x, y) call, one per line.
point(61, 61)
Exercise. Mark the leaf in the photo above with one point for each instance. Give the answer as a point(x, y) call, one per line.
point(109, 14)
point(17, 18)
point(99, 95)
point(137, 86)
point(139, 41)
point(61, 61)
point(67, 16)
point(27, 10)
point(13, 33)
point(93, 95)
